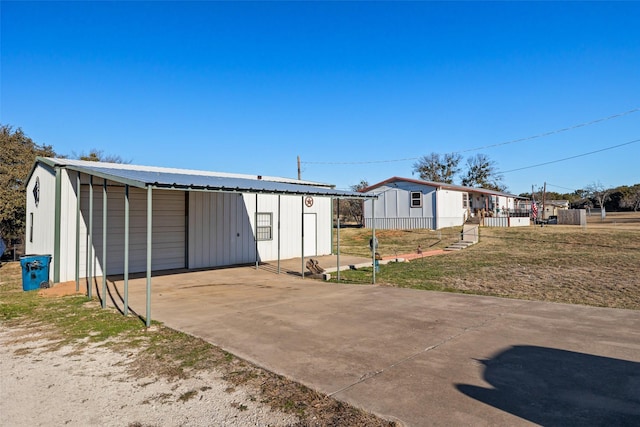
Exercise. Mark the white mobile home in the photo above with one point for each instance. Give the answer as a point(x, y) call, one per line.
point(119, 218)
point(404, 203)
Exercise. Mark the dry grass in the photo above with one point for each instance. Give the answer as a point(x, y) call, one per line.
point(596, 265)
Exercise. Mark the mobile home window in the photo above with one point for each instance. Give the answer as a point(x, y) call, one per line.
point(416, 199)
point(264, 226)
point(465, 201)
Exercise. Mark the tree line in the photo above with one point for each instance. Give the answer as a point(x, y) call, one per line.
point(17, 156)
point(596, 195)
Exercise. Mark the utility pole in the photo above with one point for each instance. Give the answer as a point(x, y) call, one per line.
point(299, 174)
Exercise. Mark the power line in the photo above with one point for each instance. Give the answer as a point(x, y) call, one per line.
point(563, 188)
point(486, 146)
point(572, 157)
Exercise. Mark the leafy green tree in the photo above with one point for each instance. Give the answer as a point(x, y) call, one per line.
point(17, 155)
point(631, 197)
point(482, 172)
point(436, 168)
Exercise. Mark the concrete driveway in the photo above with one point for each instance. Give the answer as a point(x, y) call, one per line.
point(421, 358)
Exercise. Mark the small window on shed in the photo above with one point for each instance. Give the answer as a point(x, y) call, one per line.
point(465, 201)
point(264, 226)
point(416, 199)
point(31, 227)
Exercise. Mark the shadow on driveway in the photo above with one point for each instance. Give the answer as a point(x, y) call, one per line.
point(554, 387)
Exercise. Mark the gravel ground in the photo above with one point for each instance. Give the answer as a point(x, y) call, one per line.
point(89, 385)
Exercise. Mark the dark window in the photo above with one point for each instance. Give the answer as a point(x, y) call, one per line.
point(416, 199)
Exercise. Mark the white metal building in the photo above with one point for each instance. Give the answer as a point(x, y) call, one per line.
point(404, 203)
point(198, 219)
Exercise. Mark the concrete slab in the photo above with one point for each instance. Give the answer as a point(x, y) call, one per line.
point(422, 358)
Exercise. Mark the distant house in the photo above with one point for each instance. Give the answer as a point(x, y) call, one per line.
point(405, 203)
point(550, 208)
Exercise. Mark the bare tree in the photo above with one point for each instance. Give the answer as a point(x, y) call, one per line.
point(96, 155)
point(352, 209)
point(438, 169)
point(600, 194)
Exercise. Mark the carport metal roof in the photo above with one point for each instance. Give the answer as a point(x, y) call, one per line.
point(184, 179)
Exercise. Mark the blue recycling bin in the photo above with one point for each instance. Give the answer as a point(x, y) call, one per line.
point(35, 271)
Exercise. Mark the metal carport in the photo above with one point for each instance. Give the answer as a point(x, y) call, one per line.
point(154, 178)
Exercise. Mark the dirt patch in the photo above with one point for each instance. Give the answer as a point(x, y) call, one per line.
point(95, 386)
point(62, 289)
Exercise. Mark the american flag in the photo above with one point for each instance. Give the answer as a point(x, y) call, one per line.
point(534, 210)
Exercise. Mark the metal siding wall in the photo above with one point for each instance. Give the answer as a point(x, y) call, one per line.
point(220, 231)
point(394, 211)
point(168, 229)
point(499, 221)
point(401, 223)
point(68, 226)
point(43, 214)
point(221, 228)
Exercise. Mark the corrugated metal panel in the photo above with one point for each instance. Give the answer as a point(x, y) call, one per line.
point(500, 221)
point(40, 219)
point(68, 226)
point(168, 229)
point(195, 180)
point(401, 223)
point(220, 230)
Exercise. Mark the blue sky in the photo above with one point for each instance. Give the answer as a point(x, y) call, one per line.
point(353, 88)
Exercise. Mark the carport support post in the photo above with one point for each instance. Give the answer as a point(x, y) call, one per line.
point(149, 242)
point(78, 232)
point(89, 242)
point(373, 241)
point(338, 240)
point(278, 233)
point(126, 250)
point(104, 243)
point(302, 239)
point(255, 220)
